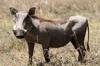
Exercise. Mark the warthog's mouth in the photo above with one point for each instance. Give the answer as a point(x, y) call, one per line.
point(20, 37)
point(19, 34)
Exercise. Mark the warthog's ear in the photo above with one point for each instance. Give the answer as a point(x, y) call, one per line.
point(32, 11)
point(13, 10)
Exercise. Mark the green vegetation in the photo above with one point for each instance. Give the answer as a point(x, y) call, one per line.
point(13, 52)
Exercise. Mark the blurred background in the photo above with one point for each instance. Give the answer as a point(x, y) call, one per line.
point(13, 52)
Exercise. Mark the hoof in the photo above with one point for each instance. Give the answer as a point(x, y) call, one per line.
point(30, 64)
point(82, 60)
point(40, 64)
point(47, 60)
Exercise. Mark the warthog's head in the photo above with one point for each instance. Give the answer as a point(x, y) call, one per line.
point(22, 21)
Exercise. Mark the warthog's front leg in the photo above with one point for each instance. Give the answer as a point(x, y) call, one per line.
point(45, 52)
point(30, 52)
point(46, 55)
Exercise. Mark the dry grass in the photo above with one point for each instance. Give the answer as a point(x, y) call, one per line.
point(13, 52)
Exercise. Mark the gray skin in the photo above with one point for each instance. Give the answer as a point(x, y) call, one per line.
point(50, 33)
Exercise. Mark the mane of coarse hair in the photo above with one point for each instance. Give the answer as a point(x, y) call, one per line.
point(55, 21)
point(43, 19)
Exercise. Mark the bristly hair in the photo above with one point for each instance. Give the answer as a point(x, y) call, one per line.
point(43, 19)
point(55, 21)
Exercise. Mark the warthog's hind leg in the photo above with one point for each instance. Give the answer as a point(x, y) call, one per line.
point(77, 46)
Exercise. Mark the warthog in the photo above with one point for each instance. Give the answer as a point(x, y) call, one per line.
point(50, 33)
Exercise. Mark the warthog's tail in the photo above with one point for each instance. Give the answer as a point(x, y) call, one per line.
point(88, 48)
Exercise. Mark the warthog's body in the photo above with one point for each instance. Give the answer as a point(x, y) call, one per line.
point(57, 34)
point(50, 33)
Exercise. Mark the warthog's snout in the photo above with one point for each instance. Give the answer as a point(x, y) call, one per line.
point(19, 33)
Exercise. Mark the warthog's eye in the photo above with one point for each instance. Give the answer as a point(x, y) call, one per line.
point(16, 19)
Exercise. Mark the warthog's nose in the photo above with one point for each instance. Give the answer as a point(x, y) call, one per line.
point(19, 33)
